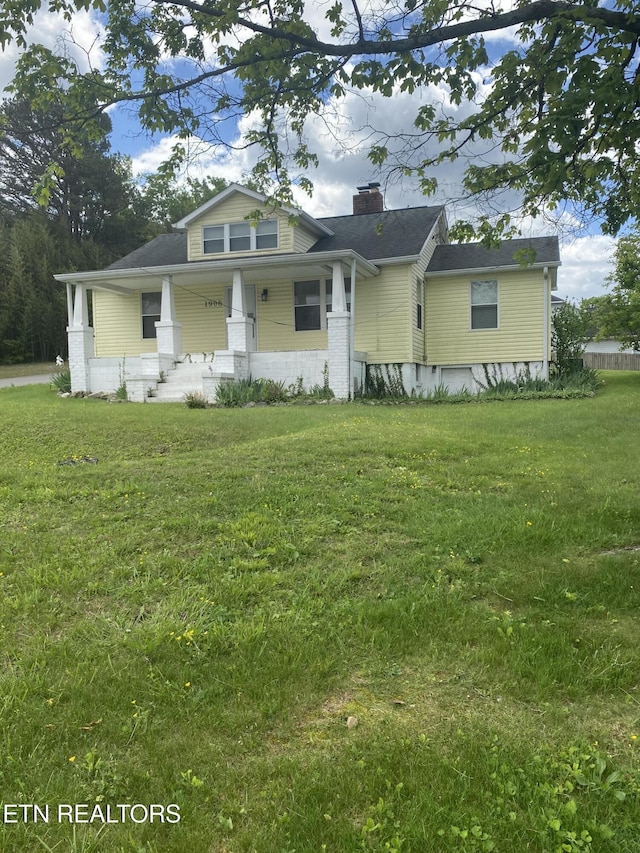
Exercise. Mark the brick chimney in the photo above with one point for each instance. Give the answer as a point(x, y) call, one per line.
point(368, 200)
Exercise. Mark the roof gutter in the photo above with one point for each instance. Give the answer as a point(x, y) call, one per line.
point(542, 265)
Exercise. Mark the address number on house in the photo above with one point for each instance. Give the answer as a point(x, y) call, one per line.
point(212, 303)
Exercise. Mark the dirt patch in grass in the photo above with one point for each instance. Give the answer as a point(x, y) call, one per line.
point(624, 549)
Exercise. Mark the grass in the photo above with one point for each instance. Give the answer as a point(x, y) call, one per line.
point(193, 618)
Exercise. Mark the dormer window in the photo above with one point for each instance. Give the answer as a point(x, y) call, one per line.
point(267, 234)
point(240, 237)
point(213, 239)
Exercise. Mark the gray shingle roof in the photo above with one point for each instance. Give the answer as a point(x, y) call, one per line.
point(471, 256)
point(390, 234)
point(164, 250)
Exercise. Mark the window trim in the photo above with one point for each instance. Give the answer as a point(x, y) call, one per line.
point(227, 238)
point(493, 281)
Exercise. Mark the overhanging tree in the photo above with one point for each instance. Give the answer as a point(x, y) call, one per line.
point(557, 102)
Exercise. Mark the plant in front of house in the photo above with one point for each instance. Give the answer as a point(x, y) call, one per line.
point(195, 400)
point(384, 381)
point(61, 381)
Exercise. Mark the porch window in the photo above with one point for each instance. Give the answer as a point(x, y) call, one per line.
point(307, 301)
point(150, 309)
point(484, 304)
point(313, 301)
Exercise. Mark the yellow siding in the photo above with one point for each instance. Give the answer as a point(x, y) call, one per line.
point(303, 240)
point(236, 208)
point(383, 312)
point(417, 334)
point(202, 313)
point(383, 315)
point(117, 323)
point(519, 337)
point(276, 322)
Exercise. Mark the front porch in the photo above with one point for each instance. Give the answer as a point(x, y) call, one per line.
point(245, 322)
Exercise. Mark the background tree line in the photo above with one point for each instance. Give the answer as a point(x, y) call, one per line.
point(83, 212)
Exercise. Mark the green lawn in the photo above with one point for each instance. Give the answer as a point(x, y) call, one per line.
point(321, 628)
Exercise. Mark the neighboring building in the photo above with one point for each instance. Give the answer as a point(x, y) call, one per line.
point(287, 296)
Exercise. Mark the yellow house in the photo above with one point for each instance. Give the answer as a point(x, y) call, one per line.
point(241, 289)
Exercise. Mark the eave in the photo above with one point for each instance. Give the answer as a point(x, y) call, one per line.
point(265, 268)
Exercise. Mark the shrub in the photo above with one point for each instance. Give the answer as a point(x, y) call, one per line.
point(61, 381)
point(237, 393)
point(195, 400)
point(273, 392)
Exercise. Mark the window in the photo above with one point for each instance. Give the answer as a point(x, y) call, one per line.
point(419, 292)
point(240, 237)
point(312, 303)
point(150, 313)
point(484, 304)
point(267, 234)
point(307, 305)
point(213, 239)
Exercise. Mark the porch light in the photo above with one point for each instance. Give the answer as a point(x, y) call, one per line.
point(264, 295)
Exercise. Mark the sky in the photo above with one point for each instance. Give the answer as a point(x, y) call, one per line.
point(341, 147)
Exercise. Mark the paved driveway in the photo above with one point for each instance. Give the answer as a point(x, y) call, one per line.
point(42, 379)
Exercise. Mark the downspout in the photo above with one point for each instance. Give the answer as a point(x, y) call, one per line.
point(546, 323)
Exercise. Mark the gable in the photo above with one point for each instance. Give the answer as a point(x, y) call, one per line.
point(229, 216)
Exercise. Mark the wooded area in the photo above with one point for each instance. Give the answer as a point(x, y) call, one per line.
point(84, 213)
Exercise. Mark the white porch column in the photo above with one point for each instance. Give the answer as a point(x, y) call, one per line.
point(168, 330)
point(80, 337)
point(69, 304)
point(239, 325)
point(339, 337)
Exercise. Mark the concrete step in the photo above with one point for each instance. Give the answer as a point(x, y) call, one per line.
point(185, 378)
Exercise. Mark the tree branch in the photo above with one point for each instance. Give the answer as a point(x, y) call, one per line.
point(532, 13)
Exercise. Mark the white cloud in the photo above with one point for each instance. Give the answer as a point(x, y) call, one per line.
point(79, 39)
point(586, 262)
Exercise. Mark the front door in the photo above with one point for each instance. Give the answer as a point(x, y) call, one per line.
point(250, 308)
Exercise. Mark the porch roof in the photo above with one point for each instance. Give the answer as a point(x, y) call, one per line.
point(138, 275)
